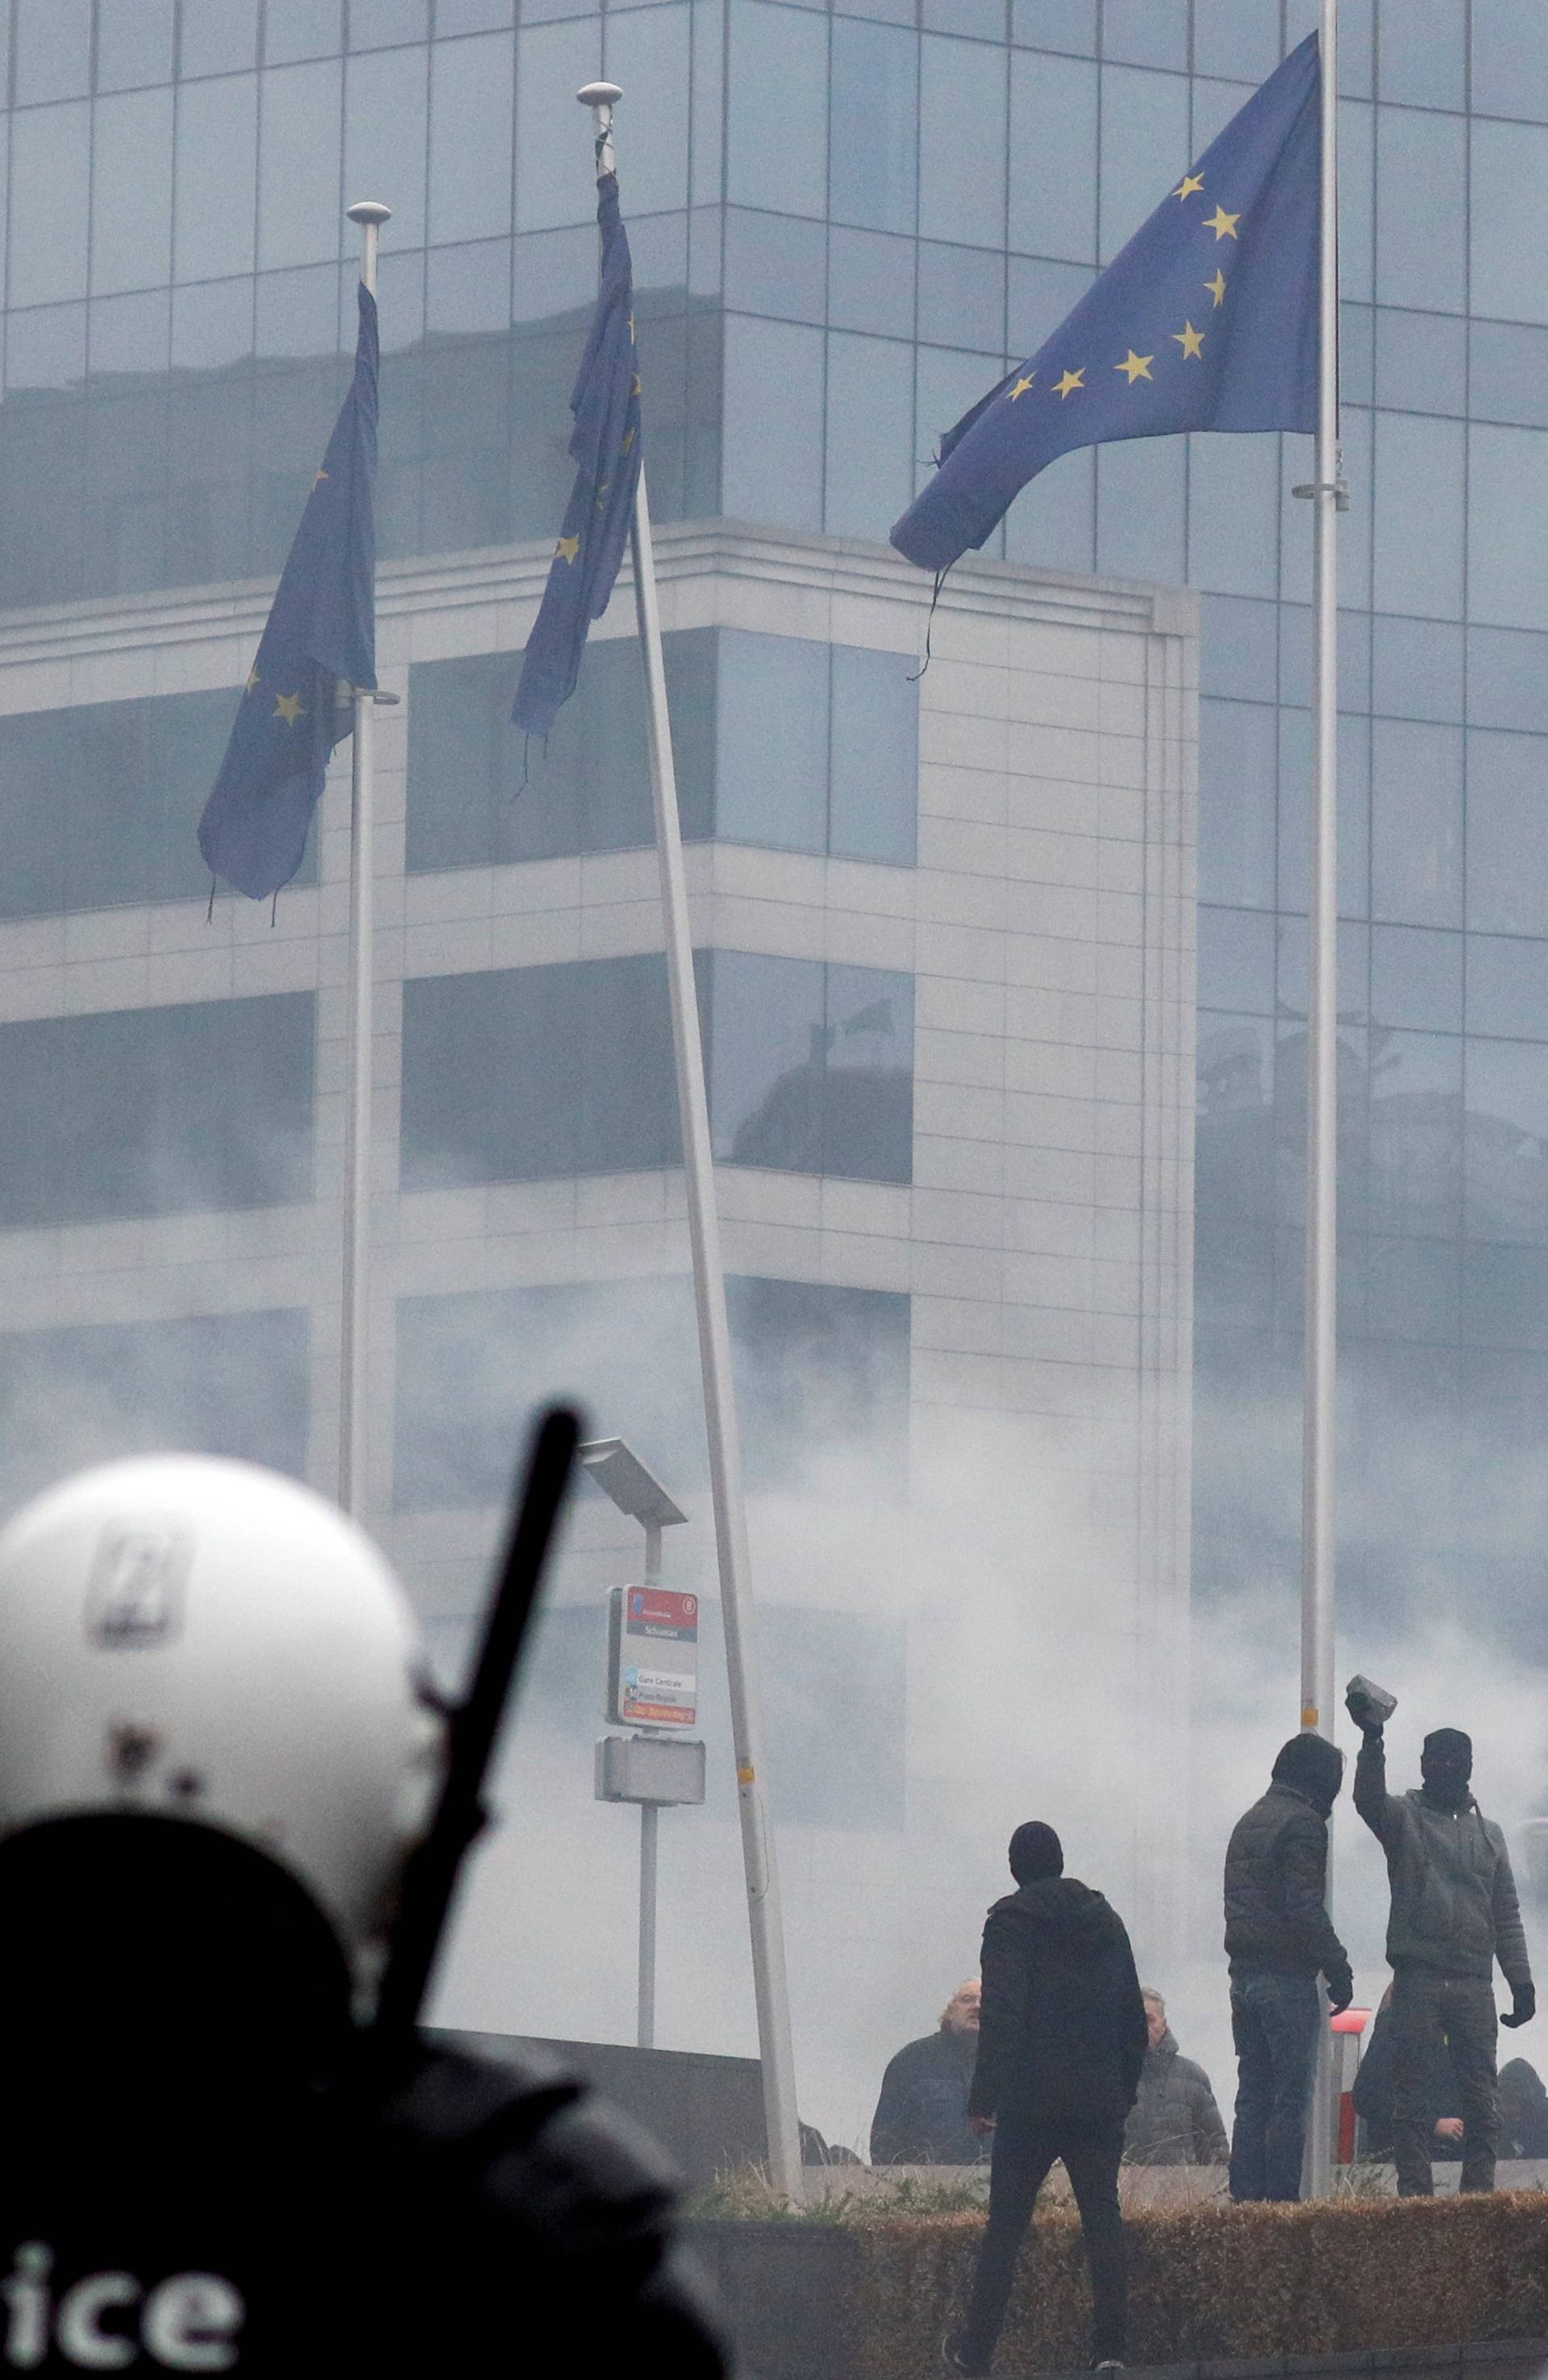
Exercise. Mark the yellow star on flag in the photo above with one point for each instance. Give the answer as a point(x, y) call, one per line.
point(254, 678)
point(1190, 341)
point(319, 479)
point(289, 708)
point(1190, 182)
point(569, 547)
point(1137, 366)
point(1217, 287)
point(1022, 385)
point(1222, 226)
point(1072, 380)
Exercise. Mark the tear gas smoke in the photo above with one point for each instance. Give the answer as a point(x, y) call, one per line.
point(938, 1664)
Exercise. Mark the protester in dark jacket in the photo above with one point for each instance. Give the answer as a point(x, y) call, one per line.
point(1523, 2111)
point(922, 2116)
point(1278, 1935)
point(1373, 2086)
point(1454, 1911)
point(1174, 2119)
point(1061, 2043)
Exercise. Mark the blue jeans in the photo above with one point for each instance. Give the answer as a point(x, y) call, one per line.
point(1275, 2021)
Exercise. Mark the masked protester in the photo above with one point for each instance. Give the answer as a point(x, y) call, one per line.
point(1278, 1937)
point(1061, 2040)
point(215, 1756)
point(1454, 1911)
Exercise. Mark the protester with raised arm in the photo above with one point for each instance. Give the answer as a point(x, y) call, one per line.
point(1453, 1913)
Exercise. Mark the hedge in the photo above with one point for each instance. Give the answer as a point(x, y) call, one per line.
point(1216, 2282)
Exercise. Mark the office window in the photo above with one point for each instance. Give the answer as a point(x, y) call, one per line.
point(874, 757)
point(820, 1368)
point(1238, 779)
point(1507, 1140)
point(1415, 1178)
point(1508, 833)
point(157, 1111)
point(528, 1073)
point(479, 793)
point(816, 747)
point(810, 1066)
point(100, 804)
point(779, 741)
point(822, 1382)
point(1417, 823)
point(235, 1384)
point(777, 109)
point(872, 171)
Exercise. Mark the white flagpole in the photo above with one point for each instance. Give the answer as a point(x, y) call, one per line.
point(1319, 1482)
point(355, 1321)
point(769, 1987)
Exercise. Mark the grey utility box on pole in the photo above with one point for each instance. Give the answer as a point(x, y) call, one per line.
point(652, 1652)
point(650, 1768)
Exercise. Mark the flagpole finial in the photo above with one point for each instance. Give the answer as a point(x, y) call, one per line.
point(602, 98)
point(371, 214)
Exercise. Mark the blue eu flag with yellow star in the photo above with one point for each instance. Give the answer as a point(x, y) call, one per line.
point(606, 444)
point(1207, 320)
point(322, 630)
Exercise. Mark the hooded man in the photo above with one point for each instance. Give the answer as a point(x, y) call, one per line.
point(1061, 2043)
point(1174, 2119)
point(1278, 1938)
point(922, 2116)
point(1453, 1913)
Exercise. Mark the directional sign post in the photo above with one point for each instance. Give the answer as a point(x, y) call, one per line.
point(653, 1640)
point(652, 1684)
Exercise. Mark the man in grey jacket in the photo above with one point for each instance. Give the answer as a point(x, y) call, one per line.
point(1173, 2120)
point(1453, 1913)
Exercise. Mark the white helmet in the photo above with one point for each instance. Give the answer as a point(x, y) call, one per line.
point(203, 1639)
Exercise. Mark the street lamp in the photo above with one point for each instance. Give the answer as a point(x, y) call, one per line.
point(653, 1768)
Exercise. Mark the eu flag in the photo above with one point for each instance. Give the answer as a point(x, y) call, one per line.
point(322, 630)
point(606, 444)
point(1207, 320)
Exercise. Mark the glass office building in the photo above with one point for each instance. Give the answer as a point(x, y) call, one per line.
point(846, 224)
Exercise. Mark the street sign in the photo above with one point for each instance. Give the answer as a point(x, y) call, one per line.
point(653, 1664)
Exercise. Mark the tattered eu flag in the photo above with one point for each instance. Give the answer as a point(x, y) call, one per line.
point(320, 642)
point(606, 444)
point(1207, 320)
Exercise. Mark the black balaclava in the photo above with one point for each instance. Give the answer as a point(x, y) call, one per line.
point(1036, 1853)
point(1314, 1766)
point(1445, 1765)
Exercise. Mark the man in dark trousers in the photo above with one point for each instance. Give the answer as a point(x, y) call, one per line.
point(1061, 2042)
point(1278, 1938)
point(1453, 1913)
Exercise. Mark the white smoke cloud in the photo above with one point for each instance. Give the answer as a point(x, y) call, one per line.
point(1023, 1700)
